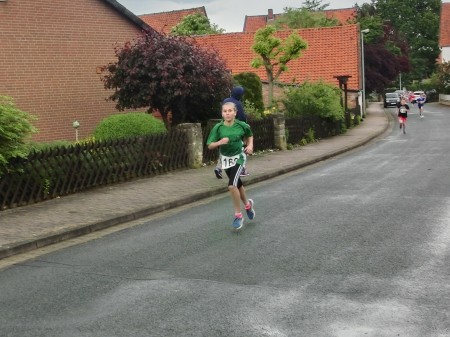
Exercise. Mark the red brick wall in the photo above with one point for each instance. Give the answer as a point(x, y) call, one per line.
point(49, 53)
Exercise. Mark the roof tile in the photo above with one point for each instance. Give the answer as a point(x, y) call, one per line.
point(331, 51)
point(164, 22)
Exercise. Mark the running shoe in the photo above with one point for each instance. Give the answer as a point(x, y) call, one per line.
point(218, 173)
point(238, 223)
point(244, 173)
point(251, 211)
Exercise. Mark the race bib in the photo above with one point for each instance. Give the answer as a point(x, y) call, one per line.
point(228, 162)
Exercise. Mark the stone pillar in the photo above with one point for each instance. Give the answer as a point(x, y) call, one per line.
point(279, 131)
point(195, 143)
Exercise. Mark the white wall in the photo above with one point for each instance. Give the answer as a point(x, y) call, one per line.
point(445, 52)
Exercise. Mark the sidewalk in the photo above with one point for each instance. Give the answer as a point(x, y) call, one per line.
point(26, 228)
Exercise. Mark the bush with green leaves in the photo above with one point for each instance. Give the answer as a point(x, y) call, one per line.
point(130, 124)
point(314, 99)
point(253, 89)
point(15, 128)
point(251, 112)
point(45, 146)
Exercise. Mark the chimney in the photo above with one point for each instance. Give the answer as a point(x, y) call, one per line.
point(270, 15)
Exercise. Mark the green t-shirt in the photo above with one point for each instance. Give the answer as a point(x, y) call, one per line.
point(236, 133)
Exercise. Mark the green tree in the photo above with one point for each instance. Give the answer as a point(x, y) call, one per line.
point(418, 22)
point(314, 5)
point(196, 24)
point(169, 74)
point(274, 53)
point(15, 128)
point(297, 18)
point(385, 50)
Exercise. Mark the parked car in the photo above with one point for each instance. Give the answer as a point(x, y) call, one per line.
point(391, 99)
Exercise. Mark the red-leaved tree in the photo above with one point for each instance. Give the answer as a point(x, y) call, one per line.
point(168, 74)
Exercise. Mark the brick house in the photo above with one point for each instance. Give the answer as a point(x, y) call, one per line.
point(444, 33)
point(50, 55)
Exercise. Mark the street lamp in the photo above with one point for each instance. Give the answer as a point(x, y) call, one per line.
point(364, 31)
point(76, 125)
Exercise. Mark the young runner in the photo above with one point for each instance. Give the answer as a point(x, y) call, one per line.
point(236, 97)
point(420, 103)
point(403, 109)
point(229, 135)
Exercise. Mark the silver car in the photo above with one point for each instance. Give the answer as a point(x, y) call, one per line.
point(391, 99)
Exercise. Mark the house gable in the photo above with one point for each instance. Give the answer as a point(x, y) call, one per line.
point(127, 14)
point(164, 22)
point(331, 51)
point(51, 55)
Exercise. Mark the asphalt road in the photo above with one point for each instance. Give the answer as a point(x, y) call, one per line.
point(355, 246)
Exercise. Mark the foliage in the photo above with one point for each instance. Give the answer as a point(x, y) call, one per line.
point(442, 78)
point(251, 111)
point(274, 53)
point(417, 21)
point(318, 99)
point(297, 18)
point(381, 67)
point(253, 89)
point(314, 5)
point(310, 137)
point(195, 24)
point(44, 146)
point(128, 125)
point(15, 128)
point(385, 51)
point(168, 74)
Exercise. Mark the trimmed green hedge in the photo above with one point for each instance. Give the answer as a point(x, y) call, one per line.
point(128, 125)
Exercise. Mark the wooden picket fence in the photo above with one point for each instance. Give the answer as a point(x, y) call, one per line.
point(64, 170)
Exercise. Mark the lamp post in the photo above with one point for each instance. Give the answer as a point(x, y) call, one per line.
point(364, 31)
point(76, 125)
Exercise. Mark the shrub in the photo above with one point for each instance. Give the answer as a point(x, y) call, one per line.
point(314, 99)
point(251, 112)
point(310, 137)
point(253, 89)
point(44, 146)
point(356, 120)
point(130, 124)
point(15, 128)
